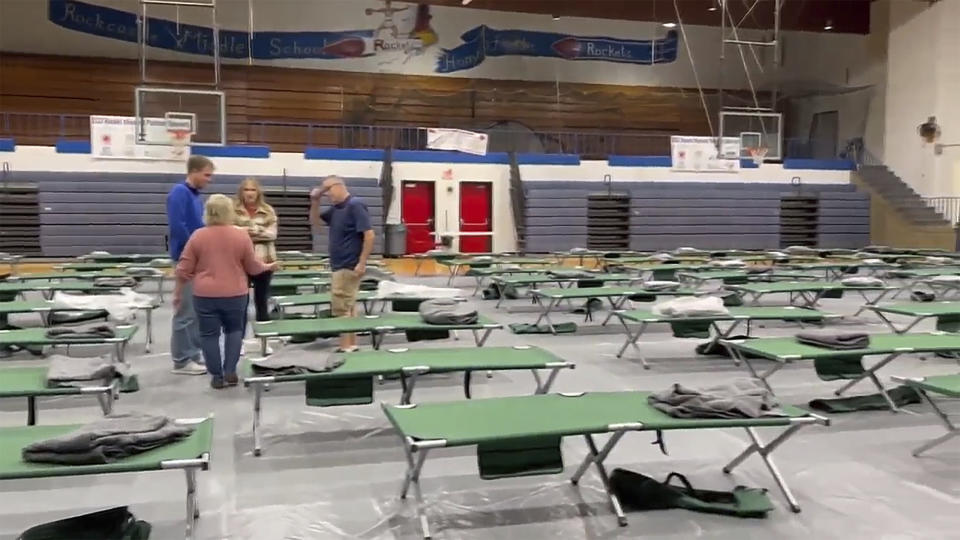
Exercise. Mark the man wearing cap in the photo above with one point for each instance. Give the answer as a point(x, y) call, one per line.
point(351, 241)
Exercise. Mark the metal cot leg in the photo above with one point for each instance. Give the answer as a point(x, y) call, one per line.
point(952, 430)
point(257, 398)
point(596, 458)
point(764, 452)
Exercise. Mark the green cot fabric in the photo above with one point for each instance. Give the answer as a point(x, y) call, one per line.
point(638, 492)
point(68, 286)
point(691, 329)
point(949, 323)
point(426, 335)
point(29, 381)
point(794, 286)
point(394, 321)
point(559, 328)
point(475, 421)
point(783, 349)
point(316, 299)
point(130, 384)
point(839, 367)
point(901, 395)
point(405, 305)
point(783, 313)
point(13, 439)
point(293, 283)
point(20, 306)
point(605, 292)
point(331, 392)
point(527, 456)
point(113, 524)
point(37, 336)
point(665, 275)
point(915, 309)
point(945, 385)
point(283, 291)
point(393, 361)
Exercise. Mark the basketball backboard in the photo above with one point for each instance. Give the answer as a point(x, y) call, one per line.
point(755, 129)
point(205, 109)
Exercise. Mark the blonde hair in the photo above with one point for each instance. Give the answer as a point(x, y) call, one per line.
point(218, 210)
point(250, 182)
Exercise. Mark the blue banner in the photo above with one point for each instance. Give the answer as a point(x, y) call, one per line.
point(483, 41)
point(187, 38)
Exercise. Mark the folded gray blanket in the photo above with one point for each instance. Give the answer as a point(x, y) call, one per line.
point(67, 371)
point(107, 440)
point(570, 274)
point(740, 398)
point(835, 340)
point(297, 362)
point(448, 311)
point(84, 332)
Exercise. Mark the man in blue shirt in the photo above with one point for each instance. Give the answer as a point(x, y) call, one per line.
point(351, 241)
point(185, 215)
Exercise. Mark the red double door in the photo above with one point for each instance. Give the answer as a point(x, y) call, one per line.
point(418, 211)
point(476, 216)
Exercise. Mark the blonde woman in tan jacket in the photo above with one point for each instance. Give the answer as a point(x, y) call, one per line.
point(260, 221)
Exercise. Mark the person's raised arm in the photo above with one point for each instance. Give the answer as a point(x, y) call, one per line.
point(314, 214)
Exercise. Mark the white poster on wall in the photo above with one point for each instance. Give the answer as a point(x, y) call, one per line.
point(699, 154)
point(115, 137)
point(457, 139)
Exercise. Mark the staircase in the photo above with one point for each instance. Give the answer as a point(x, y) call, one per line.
point(899, 217)
point(904, 200)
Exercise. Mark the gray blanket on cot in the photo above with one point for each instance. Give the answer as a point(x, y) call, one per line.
point(571, 274)
point(107, 440)
point(740, 398)
point(447, 311)
point(67, 371)
point(81, 332)
point(297, 362)
point(835, 340)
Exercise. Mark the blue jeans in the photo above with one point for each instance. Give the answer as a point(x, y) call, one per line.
point(185, 336)
point(226, 316)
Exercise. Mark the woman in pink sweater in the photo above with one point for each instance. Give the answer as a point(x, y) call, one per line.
point(217, 259)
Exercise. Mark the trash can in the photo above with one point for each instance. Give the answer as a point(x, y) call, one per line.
point(394, 239)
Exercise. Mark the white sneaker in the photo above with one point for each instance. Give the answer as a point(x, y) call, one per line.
point(192, 368)
point(243, 349)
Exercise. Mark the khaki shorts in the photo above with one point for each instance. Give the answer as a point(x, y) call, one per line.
point(344, 286)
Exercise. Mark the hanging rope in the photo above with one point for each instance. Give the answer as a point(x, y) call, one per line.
point(693, 67)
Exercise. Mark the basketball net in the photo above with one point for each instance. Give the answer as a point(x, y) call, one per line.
point(758, 153)
point(179, 139)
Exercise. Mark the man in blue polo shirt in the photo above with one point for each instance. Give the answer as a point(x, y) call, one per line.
point(351, 241)
point(185, 215)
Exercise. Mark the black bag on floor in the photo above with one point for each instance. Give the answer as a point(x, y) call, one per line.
point(113, 524)
point(71, 317)
point(713, 348)
point(638, 492)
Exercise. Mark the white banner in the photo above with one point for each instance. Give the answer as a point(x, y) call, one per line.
point(115, 137)
point(699, 154)
point(457, 139)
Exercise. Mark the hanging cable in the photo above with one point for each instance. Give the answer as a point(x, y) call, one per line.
point(250, 34)
point(693, 67)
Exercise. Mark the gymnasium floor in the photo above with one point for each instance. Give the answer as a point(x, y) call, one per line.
point(335, 473)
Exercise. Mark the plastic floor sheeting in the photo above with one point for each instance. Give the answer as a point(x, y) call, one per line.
point(335, 473)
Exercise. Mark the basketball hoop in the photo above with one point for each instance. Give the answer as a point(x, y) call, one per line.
point(179, 139)
point(758, 154)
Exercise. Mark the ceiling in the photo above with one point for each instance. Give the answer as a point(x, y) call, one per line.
point(845, 16)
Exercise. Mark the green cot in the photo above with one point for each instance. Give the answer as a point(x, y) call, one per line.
point(190, 455)
point(511, 444)
point(352, 383)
